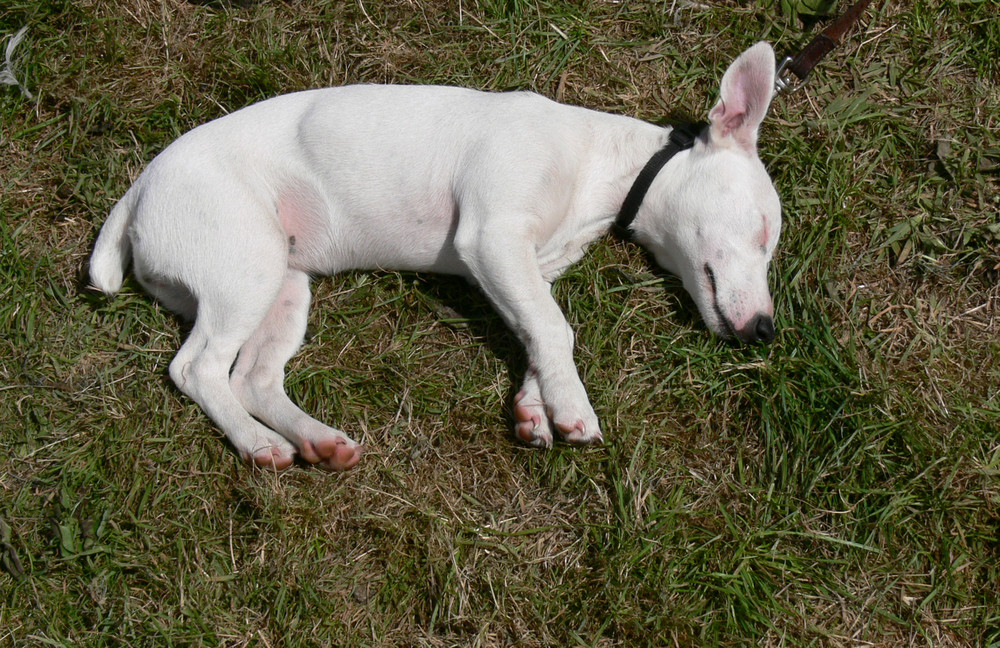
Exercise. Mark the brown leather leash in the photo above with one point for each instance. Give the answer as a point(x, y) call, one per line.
point(793, 70)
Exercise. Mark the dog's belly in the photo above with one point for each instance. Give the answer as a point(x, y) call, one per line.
point(336, 233)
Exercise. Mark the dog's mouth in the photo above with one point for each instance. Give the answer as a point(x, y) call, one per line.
point(727, 328)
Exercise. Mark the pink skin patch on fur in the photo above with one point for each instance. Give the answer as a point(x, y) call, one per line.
point(765, 235)
point(300, 214)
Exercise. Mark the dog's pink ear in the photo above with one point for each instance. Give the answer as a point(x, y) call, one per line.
point(747, 87)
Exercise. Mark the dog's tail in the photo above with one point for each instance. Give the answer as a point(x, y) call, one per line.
point(113, 248)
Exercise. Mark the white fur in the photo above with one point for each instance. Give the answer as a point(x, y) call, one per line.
point(228, 222)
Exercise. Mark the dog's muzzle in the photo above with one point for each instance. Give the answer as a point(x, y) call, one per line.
point(760, 328)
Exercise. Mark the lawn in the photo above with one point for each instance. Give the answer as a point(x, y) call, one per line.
point(840, 487)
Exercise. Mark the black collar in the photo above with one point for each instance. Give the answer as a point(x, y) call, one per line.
point(682, 137)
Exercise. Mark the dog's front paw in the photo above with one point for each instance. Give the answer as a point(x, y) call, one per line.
point(268, 450)
point(567, 410)
point(575, 419)
point(270, 458)
point(580, 433)
point(531, 423)
point(325, 447)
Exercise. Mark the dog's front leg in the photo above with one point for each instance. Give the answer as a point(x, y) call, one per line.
point(507, 270)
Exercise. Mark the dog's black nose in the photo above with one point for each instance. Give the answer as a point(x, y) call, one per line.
point(758, 329)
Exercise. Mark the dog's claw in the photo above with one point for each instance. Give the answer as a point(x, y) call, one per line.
point(576, 433)
point(526, 432)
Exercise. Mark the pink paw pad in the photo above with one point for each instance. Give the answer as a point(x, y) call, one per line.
point(332, 454)
point(529, 423)
point(270, 458)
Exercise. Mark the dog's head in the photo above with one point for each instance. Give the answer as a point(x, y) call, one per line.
point(712, 215)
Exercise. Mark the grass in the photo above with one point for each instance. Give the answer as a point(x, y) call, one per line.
point(838, 488)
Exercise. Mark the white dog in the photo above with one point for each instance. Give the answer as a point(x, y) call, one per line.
point(227, 224)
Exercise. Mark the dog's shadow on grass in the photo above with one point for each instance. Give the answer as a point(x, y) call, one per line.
point(684, 312)
point(460, 305)
point(455, 303)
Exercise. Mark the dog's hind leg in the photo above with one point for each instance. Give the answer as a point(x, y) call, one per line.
point(201, 370)
point(258, 376)
point(226, 278)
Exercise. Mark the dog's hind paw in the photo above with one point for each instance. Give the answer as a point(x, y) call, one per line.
point(333, 453)
point(270, 458)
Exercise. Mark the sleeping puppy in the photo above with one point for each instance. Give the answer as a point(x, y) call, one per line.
point(229, 222)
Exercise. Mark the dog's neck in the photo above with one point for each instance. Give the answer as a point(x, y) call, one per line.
point(682, 137)
point(619, 148)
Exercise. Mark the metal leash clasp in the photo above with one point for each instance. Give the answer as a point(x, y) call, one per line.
point(784, 80)
point(818, 47)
